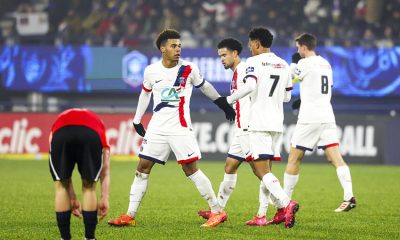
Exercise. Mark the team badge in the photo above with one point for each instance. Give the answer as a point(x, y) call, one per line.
point(249, 69)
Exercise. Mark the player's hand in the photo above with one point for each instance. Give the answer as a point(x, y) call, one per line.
point(103, 208)
point(296, 104)
point(76, 208)
point(224, 105)
point(139, 129)
point(296, 57)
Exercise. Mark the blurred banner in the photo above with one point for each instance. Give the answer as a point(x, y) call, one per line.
point(357, 71)
point(363, 139)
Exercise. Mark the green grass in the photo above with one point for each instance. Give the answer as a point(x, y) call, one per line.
point(168, 210)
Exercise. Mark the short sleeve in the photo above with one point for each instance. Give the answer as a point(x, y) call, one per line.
point(301, 69)
point(197, 78)
point(289, 84)
point(147, 83)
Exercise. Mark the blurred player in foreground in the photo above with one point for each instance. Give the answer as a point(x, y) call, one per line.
point(269, 84)
point(171, 81)
point(229, 50)
point(78, 136)
point(316, 125)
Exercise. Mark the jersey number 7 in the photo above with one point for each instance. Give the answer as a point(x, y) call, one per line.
point(276, 79)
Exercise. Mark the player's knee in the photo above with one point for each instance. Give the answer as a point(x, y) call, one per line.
point(88, 184)
point(229, 169)
point(143, 169)
point(189, 169)
point(64, 183)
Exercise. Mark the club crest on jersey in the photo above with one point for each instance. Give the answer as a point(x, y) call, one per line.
point(297, 71)
point(249, 69)
point(181, 80)
point(170, 95)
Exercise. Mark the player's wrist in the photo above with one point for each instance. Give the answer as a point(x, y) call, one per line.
point(229, 100)
point(136, 121)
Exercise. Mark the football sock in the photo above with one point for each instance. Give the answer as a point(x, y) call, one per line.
point(203, 184)
point(90, 221)
point(138, 189)
point(343, 173)
point(289, 182)
point(263, 197)
point(226, 188)
point(272, 184)
point(63, 223)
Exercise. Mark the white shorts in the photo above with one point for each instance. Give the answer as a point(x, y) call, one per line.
point(266, 145)
point(240, 148)
point(307, 135)
point(157, 147)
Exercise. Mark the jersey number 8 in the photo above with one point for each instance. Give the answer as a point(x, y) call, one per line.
point(324, 86)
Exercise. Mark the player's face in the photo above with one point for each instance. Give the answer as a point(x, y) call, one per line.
point(301, 49)
point(171, 50)
point(227, 57)
point(253, 46)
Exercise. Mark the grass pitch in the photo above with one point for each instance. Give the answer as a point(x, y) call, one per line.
point(169, 208)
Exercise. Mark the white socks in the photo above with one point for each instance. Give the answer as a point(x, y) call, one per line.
point(343, 173)
point(263, 196)
point(226, 188)
point(289, 182)
point(203, 184)
point(272, 184)
point(138, 189)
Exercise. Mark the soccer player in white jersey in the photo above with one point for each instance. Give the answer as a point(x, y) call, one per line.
point(171, 81)
point(269, 85)
point(316, 121)
point(229, 50)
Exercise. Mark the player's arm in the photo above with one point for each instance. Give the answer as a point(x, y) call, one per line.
point(105, 184)
point(75, 204)
point(143, 103)
point(295, 59)
point(207, 89)
point(248, 87)
point(288, 88)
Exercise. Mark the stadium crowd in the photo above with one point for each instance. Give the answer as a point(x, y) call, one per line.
point(134, 24)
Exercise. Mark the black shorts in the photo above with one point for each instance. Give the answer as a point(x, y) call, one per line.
point(75, 144)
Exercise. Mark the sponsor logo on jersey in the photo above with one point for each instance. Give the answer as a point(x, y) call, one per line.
point(133, 65)
point(170, 95)
point(249, 69)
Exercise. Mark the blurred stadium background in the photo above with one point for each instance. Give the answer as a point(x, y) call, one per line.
point(57, 54)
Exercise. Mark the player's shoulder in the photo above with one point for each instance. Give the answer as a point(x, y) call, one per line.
point(280, 62)
point(252, 59)
point(188, 63)
point(322, 60)
point(154, 67)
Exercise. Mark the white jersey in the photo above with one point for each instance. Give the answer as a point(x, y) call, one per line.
point(172, 89)
point(273, 80)
point(315, 74)
point(241, 106)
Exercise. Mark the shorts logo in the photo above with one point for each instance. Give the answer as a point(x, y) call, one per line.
point(249, 69)
point(170, 95)
point(190, 154)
